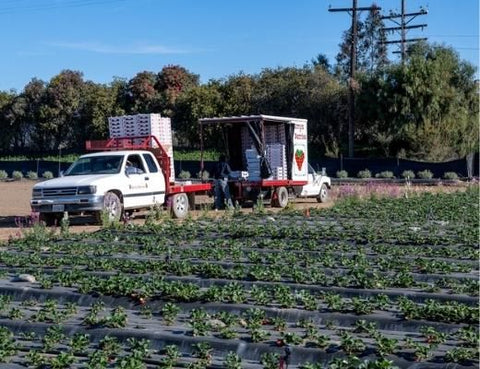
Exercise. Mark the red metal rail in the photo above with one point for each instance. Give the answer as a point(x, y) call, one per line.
point(149, 143)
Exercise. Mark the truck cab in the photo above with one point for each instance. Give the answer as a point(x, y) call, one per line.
point(109, 182)
point(317, 186)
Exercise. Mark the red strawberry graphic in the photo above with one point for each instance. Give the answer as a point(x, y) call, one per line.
point(299, 158)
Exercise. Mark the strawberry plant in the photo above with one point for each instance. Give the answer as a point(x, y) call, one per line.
point(469, 336)
point(53, 337)
point(362, 306)
point(110, 346)
point(79, 342)
point(385, 346)
point(279, 323)
point(62, 360)
point(98, 360)
point(203, 351)
point(292, 338)
point(198, 320)
point(432, 335)
point(232, 361)
point(15, 314)
point(259, 335)
point(8, 345)
point(172, 354)
point(117, 318)
point(169, 312)
point(351, 344)
point(35, 358)
point(270, 360)
point(334, 301)
point(362, 326)
point(461, 354)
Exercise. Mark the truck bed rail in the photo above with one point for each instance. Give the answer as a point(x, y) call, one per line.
point(148, 142)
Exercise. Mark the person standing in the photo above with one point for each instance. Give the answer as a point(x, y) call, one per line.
point(222, 191)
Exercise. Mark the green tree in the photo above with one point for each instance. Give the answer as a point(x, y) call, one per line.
point(58, 124)
point(281, 91)
point(197, 102)
point(98, 103)
point(426, 109)
point(6, 124)
point(172, 81)
point(326, 108)
point(342, 68)
point(321, 60)
point(238, 92)
point(142, 97)
point(373, 50)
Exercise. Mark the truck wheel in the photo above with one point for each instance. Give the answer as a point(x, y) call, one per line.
point(282, 197)
point(179, 205)
point(112, 206)
point(50, 219)
point(323, 195)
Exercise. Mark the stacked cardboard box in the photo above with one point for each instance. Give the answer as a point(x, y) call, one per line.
point(253, 164)
point(275, 134)
point(276, 156)
point(145, 125)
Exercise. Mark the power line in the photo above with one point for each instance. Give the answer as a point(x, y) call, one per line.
point(66, 4)
point(472, 36)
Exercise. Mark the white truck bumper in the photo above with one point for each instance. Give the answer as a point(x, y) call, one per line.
point(71, 204)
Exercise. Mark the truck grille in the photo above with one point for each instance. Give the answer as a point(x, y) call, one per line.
point(63, 191)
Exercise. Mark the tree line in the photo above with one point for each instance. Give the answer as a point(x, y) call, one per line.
point(426, 108)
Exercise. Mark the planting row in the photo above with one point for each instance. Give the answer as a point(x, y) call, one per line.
point(312, 336)
point(385, 280)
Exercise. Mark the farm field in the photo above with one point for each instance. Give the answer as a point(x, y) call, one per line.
point(391, 281)
point(15, 209)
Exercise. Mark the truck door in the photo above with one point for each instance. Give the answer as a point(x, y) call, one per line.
point(312, 188)
point(156, 182)
point(137, 193)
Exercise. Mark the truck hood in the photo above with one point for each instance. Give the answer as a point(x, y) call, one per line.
point(74, 181)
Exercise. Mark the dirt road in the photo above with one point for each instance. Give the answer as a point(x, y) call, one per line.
point(15, 209)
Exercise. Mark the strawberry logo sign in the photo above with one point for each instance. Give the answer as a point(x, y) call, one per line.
point(299, 158)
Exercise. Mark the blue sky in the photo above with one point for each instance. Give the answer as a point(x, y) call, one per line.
point(212, 38)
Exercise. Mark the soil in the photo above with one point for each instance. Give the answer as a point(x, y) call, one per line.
point(15, 209)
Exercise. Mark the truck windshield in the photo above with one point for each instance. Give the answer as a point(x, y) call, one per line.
point(109, 164)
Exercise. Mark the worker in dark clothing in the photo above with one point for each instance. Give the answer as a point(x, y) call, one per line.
point(222, 192)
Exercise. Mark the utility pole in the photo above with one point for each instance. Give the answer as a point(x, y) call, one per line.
point(353, 11)
point(403, 27)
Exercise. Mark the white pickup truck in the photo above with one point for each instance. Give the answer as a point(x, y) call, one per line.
point(110, 182)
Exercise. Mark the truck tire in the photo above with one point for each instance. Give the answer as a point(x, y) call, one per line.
point(281, 197)
point(179, 205)
point(113, 207)
point(323, 194)
point(50, 219)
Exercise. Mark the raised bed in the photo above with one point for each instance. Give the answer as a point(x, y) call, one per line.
point(389, 281)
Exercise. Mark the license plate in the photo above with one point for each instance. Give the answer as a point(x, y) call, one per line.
point(58, 208)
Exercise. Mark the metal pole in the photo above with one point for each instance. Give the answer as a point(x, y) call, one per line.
point(353, 64)
point(201, 152)
point(402, 25)
point(59, 156)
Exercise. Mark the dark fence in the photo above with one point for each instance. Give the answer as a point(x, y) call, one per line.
point(466, 167)
point(37, 166)
point(352, 165)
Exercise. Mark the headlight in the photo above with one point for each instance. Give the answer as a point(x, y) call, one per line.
point(86, 190)
point(37, 192)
